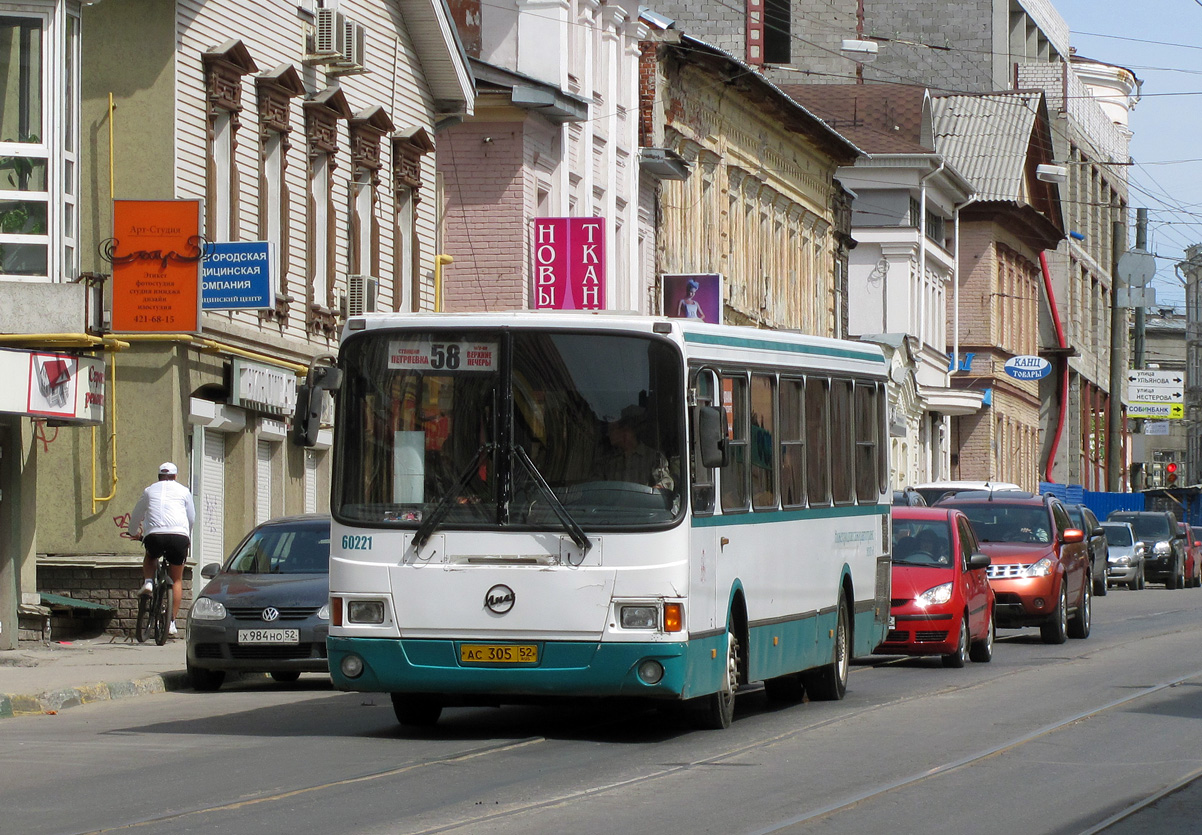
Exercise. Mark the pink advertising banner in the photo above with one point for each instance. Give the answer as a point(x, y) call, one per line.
point(569, 263)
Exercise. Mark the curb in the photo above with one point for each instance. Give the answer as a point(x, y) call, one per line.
point(52, 701)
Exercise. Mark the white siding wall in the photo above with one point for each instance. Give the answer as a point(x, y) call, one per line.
point(273, 33)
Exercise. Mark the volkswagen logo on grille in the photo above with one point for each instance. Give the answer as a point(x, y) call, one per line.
point(499, 599)
point(271, 613)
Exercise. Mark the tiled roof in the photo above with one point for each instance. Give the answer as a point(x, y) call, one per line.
point(987, 138)
point(878, 118)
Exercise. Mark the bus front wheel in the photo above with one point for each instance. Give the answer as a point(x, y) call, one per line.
point(416, 711)
point(717, 710)
point(828, 683)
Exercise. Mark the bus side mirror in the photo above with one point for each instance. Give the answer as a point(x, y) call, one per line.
point(306, 423)
point(710, 423)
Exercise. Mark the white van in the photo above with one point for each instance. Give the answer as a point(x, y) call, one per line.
point(936, 490)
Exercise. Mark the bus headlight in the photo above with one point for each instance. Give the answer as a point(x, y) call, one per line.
point(365, 611)
point(639, 617)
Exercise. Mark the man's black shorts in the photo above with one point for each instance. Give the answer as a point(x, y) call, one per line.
point(173, 545)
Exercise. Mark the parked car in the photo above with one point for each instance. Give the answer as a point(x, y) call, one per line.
point(1165, 558)
point(1193, 557)
point(1040, 564)
point(942, 603)
point(909, 497)
point(266, 609)
point(936, 490)
point(1082, 517)
point(1125, 561)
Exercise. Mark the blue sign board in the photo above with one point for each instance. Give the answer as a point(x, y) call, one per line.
point(238, 276)
point(1028, 368)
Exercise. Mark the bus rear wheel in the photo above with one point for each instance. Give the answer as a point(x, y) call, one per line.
point(829, 683)
point(416, 711)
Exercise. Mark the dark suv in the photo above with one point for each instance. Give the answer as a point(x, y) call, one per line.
point(1165, 562)
point(1040, 566)
point(1083, 518)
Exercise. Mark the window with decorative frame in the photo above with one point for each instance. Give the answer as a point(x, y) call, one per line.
point(408, 147)
point(276, 89)
point(224, 68)
point(322, 113)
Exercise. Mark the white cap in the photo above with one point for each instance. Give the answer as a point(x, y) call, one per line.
point(167, 468)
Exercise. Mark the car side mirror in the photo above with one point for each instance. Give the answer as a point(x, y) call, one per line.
point(710, 425)
point(1072, 536)
point(979, 560)
point(210, 570)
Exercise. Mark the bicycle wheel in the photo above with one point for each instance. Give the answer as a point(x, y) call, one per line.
point(162, 614)
point(142, 627)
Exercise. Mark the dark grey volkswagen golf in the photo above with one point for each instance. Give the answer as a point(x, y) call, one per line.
point(267, 608)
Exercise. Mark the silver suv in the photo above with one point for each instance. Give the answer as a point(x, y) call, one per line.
point(1165, 561)
point(1125, 562)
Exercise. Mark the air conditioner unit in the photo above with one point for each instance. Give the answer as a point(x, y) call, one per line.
point(329, 39)
point(360, 294)
point(353, 55)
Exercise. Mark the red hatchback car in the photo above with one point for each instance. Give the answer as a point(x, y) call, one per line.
point(942, 601)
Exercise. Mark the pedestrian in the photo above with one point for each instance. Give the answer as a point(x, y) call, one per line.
point(163, 519)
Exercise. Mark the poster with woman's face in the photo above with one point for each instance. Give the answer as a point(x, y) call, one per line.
point(696, 297)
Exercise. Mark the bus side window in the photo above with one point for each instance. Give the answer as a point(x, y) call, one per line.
point(842, 443)
point(734, 475)
point(702, 477)
point(763, 441)
point(868, 490)
point(817, 415)
point(792, 444)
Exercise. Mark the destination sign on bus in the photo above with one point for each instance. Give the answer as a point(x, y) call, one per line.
point(431, 355)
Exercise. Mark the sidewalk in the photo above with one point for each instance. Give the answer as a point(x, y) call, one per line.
point(40, 678)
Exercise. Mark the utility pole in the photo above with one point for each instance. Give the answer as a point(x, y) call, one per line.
point(1141, 245)
point(1118, 357)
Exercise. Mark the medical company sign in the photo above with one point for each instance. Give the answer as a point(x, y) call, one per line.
point(569, 263)
point(1028, 368)
point(238, 276)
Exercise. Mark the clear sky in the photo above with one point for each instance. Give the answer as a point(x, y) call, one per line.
point(1161, 42)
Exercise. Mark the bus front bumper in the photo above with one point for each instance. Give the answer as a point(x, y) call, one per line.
point(563, 668)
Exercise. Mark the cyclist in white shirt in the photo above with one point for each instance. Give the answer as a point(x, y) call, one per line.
point(163, 519)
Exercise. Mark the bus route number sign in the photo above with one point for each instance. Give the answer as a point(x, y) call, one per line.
point(437, 355)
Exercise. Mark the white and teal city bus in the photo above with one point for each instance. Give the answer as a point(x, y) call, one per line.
point(529, 506)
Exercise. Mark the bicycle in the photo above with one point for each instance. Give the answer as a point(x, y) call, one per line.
point(154, 609)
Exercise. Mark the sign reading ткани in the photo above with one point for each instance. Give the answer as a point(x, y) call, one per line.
point(569, 263)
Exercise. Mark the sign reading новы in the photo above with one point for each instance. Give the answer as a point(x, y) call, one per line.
point(569, 263)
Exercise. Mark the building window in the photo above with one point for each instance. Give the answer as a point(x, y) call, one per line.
point(777, 37)
point(276, 89)
point(320, 228)
point(224, 69)
point(322, 113)
point(25, 158)
point(409, 145)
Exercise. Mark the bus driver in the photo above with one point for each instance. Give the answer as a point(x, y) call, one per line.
point(629, 459)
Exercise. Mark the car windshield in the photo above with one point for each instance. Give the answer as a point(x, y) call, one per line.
point(998, 522)
point(1152, 526)
point(283, 549)
point(1117, 535)
point(921, 542)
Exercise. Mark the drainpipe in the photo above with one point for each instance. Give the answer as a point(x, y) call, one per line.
point(1062, 362)
point(922, 245)
point(439, 261)
point(956, 284)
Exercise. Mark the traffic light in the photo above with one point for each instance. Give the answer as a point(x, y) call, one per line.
point(1170, 473)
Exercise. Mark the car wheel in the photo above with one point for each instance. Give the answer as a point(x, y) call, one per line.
point(286, 676)
point(1143, 579)
point(206, 681)
point(1179, 581)
point(982, 650)
point(956, 659)
point(1078, 627)
point(1055, 630)
point(716, 711)
point(415, 710)
point(1099, 586)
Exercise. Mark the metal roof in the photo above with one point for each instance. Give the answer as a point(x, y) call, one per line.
point(987, 138)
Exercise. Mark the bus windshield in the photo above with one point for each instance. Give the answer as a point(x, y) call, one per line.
point(495, 428)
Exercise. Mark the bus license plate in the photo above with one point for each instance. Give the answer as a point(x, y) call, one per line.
point(498, 653)
point(269, 636)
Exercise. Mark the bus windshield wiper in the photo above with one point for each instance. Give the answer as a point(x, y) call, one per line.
point(443, 507)
point(574, 530)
